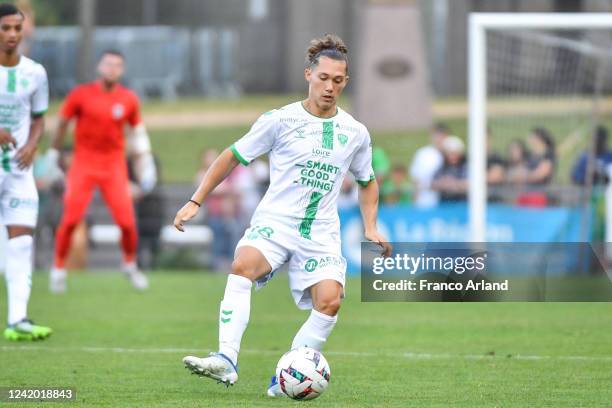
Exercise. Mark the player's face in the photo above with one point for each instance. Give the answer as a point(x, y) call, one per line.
point(110, 68)
point(10, 32)
point(326, 82)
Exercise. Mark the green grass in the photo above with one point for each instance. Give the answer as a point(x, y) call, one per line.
point(120, 348)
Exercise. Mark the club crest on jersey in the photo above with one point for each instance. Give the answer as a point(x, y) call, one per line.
point(118, 110)
point(342, 138)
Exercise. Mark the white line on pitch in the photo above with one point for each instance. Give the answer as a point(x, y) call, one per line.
point(407, 355)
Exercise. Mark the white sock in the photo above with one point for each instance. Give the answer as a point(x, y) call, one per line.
point(129, 267)
point(18, 276)
point(315, 331)
point(58, 273)
point(234, 315)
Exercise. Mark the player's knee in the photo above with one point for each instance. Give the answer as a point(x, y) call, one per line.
point(329, 306)
point(242, 268)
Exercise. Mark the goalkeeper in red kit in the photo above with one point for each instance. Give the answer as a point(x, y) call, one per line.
point(102, 109)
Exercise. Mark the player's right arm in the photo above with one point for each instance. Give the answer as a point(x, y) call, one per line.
point(69, 109)
point(218, 171)
point(259, 140)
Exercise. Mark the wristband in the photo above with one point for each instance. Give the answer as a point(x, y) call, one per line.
point(195, 202)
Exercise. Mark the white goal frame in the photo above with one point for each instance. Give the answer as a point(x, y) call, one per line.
point(479, 23)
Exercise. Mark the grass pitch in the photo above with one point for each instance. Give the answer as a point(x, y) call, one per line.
point(120, 348)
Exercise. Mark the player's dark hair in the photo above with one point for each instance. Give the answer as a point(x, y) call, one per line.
point(112, 51)
point(7, 9)
point(330, 45)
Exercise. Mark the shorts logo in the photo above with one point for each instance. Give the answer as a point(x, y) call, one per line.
point(342, 138)
point(321, 262)
point(117, 111)
point(257, 231)
point(311, 265)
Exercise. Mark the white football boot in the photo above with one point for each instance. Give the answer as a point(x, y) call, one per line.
point(216, 366)
point(274, 389)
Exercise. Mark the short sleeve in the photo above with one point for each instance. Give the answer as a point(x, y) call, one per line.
point(40, 97)
point(70, 107)
point(361, 166)
point(258, 141)
point(135, 118)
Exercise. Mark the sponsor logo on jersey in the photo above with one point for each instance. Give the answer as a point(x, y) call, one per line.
point(300, 134)
point(118, 110)
point(320, 152)
point(318, 175)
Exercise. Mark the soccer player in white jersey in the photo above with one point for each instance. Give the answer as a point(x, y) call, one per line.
point(24, 98)
point(311, 145)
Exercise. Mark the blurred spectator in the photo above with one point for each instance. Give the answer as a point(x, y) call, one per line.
point(396, 189)
point(517, 161)
point(540, 169)
point(222, 211)
point(427, 161)
point(380, 164)
point(251, 182)
point(349, 193)
point(602, 159)
point(149, 207)
point(542, 157)
point(496, 165)
point(451, 180)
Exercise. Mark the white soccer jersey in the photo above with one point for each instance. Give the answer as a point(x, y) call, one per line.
point(309, 157)
point(24, 92)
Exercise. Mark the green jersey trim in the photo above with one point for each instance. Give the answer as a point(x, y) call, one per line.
point(318, 117)
point(364, 183)
point(11, 85)
point(38, 114)
point(239, 156)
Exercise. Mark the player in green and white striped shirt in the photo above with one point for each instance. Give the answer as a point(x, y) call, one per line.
point(311, 144)
point(24, 98)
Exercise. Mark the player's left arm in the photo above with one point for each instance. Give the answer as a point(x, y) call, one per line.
point(40, 103)
point(139, 147)
point(361, 167)
point(368, 203)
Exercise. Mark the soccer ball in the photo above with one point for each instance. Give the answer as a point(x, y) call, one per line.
point(303, 373)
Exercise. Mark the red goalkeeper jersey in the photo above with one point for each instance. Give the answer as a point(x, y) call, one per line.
point(100, 120)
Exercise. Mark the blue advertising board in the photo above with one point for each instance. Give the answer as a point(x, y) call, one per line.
point(449, 223)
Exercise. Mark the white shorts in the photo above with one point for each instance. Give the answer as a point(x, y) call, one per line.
point(309, 261)
point(18, 198)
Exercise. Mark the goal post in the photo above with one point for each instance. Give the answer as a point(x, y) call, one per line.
point(480, 24)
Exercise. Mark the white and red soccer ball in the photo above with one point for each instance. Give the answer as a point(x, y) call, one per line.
point(303, 373)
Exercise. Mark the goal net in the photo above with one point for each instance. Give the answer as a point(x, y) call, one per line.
point(534, 71)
